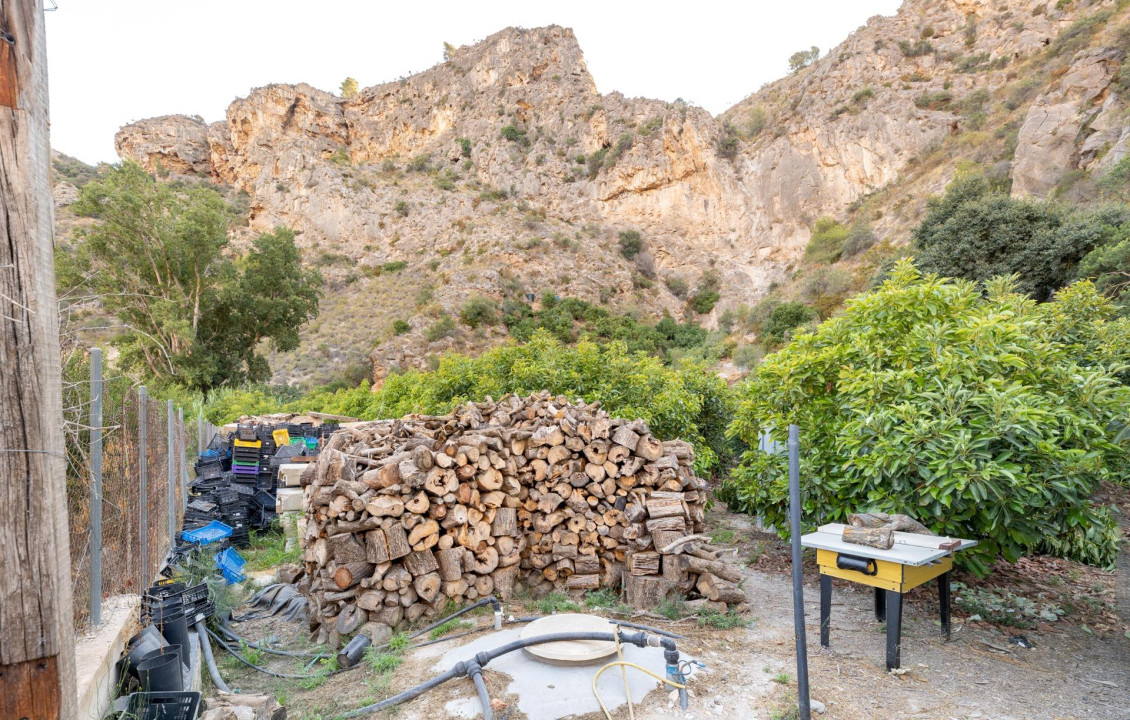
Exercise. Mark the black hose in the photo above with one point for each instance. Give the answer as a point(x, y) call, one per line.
point(463, 668)
point(485, 601)
point(458, 670)
point(484, 698)
point(650, 629)
point(209, 659)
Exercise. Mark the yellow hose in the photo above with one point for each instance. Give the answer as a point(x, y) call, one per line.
point(624, 675)
point(621, 663)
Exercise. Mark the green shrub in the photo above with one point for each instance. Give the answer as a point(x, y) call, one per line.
point(941, 100)
point(688, 401)
point(442, 328)
point(748, 356)
point(677, 285)
point(479, 311)
point(784, 318)
point(706, 296)
point(756, 122)
point(623, 144)
point(827, 241)
point(977, 231)
point(464, 146)
point(401, 208)
point(917, 49)
point(420, 163)
point(516, 135)
point(1115, 182)
point(395, 266)
point(400, 326)
point(729, 143)
point(859, 239)
point(704, 301)
point(983, 415)
point(630, 243)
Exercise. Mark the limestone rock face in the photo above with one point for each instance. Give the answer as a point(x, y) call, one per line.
point(174, 143)
point(1049, 142)
point(503, 170)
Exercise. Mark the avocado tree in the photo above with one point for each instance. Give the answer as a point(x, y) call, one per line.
point(973, 408)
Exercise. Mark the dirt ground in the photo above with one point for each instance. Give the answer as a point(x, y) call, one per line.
point(1077, 667)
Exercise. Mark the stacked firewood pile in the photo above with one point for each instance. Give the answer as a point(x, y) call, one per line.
point(403, 515)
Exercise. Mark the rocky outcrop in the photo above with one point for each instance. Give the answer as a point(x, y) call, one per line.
point(173, 143)
point(503, 170)
point(1080, 105)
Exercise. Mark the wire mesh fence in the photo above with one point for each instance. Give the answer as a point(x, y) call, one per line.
point(135, 436)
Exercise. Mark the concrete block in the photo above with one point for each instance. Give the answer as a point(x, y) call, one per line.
point(290, 475)
point(288, 500)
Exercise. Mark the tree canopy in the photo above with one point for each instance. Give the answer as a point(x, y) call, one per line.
point(973, 408)
point(193, 310)
point(349, 87)
point(977, 231)
point(803, 58)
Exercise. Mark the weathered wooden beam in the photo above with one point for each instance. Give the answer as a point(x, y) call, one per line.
point(37, 663)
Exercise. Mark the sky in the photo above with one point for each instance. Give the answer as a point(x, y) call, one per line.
point(112, 62)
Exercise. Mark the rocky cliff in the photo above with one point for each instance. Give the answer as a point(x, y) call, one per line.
point(502, 171)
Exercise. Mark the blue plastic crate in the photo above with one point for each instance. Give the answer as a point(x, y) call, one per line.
point(231, 563)
point(210, 533)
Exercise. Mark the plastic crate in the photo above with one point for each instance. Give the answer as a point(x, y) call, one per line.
point(210, 533)
point(231, 563)
point(161, 591)
point(163, 706)
point(264, 499)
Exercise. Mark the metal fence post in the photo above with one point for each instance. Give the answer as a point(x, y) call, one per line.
point(199, 434)
point(171, 473)
point(143, 481)
point(96, 486)
point(798, 586)
point(183, 461)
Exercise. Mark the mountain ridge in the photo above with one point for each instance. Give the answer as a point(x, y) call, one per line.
point(502, 171)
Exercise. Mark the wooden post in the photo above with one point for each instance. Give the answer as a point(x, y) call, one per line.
point(37, 662)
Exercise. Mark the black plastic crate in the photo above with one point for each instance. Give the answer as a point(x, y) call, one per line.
point(163, 706)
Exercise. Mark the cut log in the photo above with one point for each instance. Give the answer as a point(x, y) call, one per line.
point(882, 538)
point(645, 591)
point(350, 574)
point(643, 563)
point(903, 523)
point(719, 591)
point(421, 562)
point(427, 586)
point(397, 539)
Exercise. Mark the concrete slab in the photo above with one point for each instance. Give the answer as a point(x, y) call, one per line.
point(547, 692)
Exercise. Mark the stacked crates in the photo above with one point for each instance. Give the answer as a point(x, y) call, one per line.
point(245, 456)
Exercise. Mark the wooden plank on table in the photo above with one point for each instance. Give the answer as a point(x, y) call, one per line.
point(933, 542)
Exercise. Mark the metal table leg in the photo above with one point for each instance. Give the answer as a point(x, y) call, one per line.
point(825, 608)
point(944, 602)
point(894, 629)
point(880, 604)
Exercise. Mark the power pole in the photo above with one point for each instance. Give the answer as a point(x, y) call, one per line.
point(37, 662)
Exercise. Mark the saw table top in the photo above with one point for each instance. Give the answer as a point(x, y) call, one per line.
point(909, 548)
